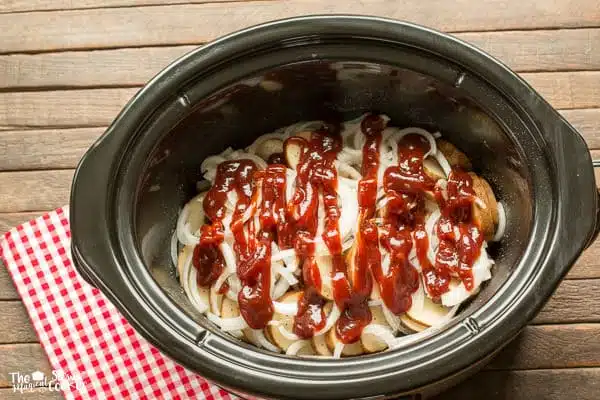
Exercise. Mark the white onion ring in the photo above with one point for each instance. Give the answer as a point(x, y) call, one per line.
point(295, 347)
point(332, 318)
point(381, 332)
point(501, 223)
point(227, 324)
point(394, 135)
point(287, 334)
point(258, 337)
point(337, 352)
point(285, 273)
point(173, 248)
point(285, 308)
point(441, 159)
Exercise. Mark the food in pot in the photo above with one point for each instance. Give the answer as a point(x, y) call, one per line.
point(336, 239)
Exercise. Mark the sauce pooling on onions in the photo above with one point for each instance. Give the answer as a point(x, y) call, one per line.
point(385, 239)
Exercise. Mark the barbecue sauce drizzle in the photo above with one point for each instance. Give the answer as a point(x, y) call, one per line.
point(294, 224)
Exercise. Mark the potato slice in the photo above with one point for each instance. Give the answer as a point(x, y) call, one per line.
point(183, 254)
point(370, 342)
point(325, 266)
point(412, 324)
point(455, 157)
point(292, 150)
point(433, 169)
point(287, 322)
point(430, 314)
point(230, 309)
point(304, 135)
point(486, 218)
point(269, 147)
point(319, 343)
point(352, 349)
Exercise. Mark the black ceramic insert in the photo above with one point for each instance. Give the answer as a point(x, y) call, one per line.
point(130, 185)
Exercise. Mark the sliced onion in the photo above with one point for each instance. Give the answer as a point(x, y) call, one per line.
point(392, 320)
point(227, 324)
point(279, 255)
point(481, 273)
point(348, 170)
point(374, 303)
point(287, 334)
point(394, 135)
point(332, 318)
point(174, 250)
point(258, 337)
point(295, 347)
point(441, 159)
point(229, 257)
point(211, 163)
point(381, 332)
point(213, 298)
point(280, 288)
point(194, 291)
point(501, 223)
point(285, 308)
point(285, 273)
point(337, 351)
point(263, 138)
point(183, 228)
point(260, 163)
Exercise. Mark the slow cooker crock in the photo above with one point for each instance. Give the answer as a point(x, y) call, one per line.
point(130, 185)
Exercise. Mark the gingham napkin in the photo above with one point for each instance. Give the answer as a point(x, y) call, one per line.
point(97, 353)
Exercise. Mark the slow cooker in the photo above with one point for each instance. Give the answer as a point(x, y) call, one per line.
point(131, 184)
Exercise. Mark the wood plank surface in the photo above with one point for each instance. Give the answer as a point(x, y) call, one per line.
point(573, 345)
point(34, 190)
point(22, 357)
point(523, 51)
point(574, 301)
point(179, 24)
point(10, 394)
point(549, 384)
point(99, 107)
point(62, 108)
point(16, 326)
point(45, 149)
point(13, 6)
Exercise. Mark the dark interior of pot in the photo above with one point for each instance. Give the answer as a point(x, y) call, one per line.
point(339, 90)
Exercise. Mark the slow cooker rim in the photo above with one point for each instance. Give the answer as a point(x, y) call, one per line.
point(156, 83)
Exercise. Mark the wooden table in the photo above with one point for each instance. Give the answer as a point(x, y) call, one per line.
point(67, 67)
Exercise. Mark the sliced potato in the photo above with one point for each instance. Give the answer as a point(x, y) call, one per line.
point(269, 147)
point(304, 135)
point(412, 324)
point(430, 314)
point(325, 266)
point(433, 169)
point(455, 157)
point(292, 150)
point(287, 322)
point(352, 349)
point(370, 342)
point(486, 218)
point(319, 343)
point(183, 255)
point(230, 309)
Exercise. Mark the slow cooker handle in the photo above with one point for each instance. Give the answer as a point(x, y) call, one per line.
point(596, 164)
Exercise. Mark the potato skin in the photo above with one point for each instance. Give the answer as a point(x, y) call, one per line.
point(455, 157)
point(487, 218)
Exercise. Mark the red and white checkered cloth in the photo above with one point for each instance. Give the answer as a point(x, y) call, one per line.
point(82, 333)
